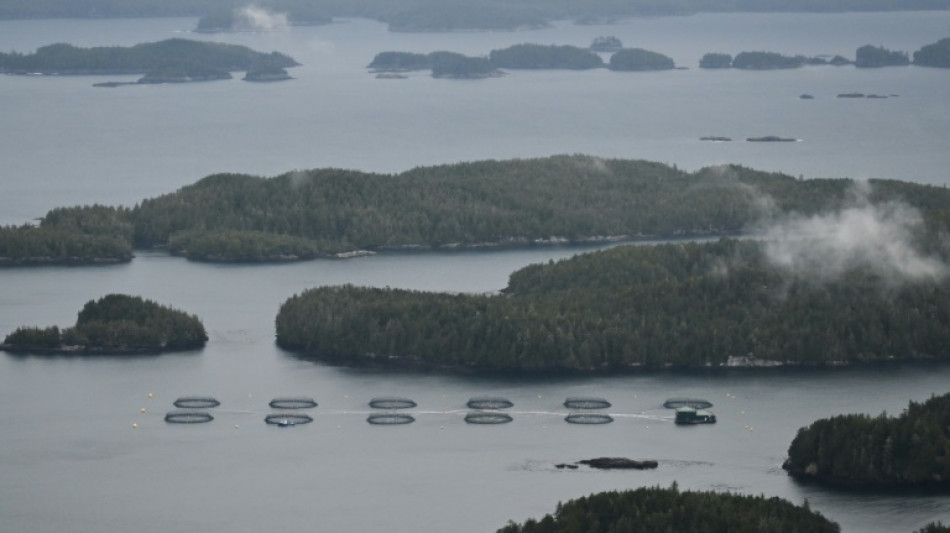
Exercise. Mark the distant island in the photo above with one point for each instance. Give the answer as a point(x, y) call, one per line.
point(724, 304)
point(442, 64)
point(869, 56)
point(866, 56)
point(771, 139)
point(476, 205)
point(652, 509)
point(115, 324)
point(537, 56)
point(606, 43)
point(169, 61)
point(631, 59)
point(934, 55)
point(882, 452)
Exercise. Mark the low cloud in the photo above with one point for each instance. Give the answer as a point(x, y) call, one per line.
point(254, 18)
point(878, 237)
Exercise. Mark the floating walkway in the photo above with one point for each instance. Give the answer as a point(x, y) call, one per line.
point(392, 410)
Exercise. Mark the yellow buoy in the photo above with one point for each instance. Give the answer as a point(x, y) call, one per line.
point(134, 425)
point(142, 410)
point(150, 395)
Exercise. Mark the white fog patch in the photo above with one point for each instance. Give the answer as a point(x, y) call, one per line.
point(878, 237)
point(254, 18)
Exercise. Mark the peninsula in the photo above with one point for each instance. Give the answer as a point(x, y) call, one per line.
point(882, 452)
point(708, 305)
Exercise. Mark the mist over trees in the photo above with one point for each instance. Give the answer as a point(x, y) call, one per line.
point(514, 203)
point(728, 303)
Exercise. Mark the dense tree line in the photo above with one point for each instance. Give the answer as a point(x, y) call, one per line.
point(658, 510)
point(882, 451)
point(514, 203)
point(243, 246)
point(683, 305)
point(716, 60)
point(90, 234)
point(178, 55)
point(606, 43)
point(115, 323)
point(536, 56)
point(869, 56)
point(934, 55)
point(428, 15)
point(766, 61)
point(639, 59)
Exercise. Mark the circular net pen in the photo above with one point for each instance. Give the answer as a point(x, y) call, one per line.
point(293, 403)
point(488, 418)
point(695, 403)
point(489, 402)
point(196, 402)
point(390, 419)
point(287, 419)
point(188, 417)
point(584, 402)
point(391, 402)
point(588, 418)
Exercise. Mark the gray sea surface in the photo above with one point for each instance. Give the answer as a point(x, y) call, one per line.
point(78, 454)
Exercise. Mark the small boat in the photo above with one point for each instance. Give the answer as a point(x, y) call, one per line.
point(689, 415)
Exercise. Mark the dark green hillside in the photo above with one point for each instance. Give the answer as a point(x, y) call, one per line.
point(634, 59)
point(912, 449)
point(651, 510)
point(114, 324)
point(682, 305)
point(536, 56)
point(869, 56)
point(82, 235)
point(934, 55)
point(515, 203)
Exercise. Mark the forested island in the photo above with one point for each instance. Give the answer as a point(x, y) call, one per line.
point(115, 324)
point(537, 56)
point(485, 204)
point(439, 15)
point(866, 56)
point(655, 509)
point(169, 61)
point(691, 305)
point(882, 452)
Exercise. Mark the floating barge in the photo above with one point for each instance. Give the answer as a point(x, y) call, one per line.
point(689, 415)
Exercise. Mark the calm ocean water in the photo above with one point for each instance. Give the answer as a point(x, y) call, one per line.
point(65, 142)
point(69, 456)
